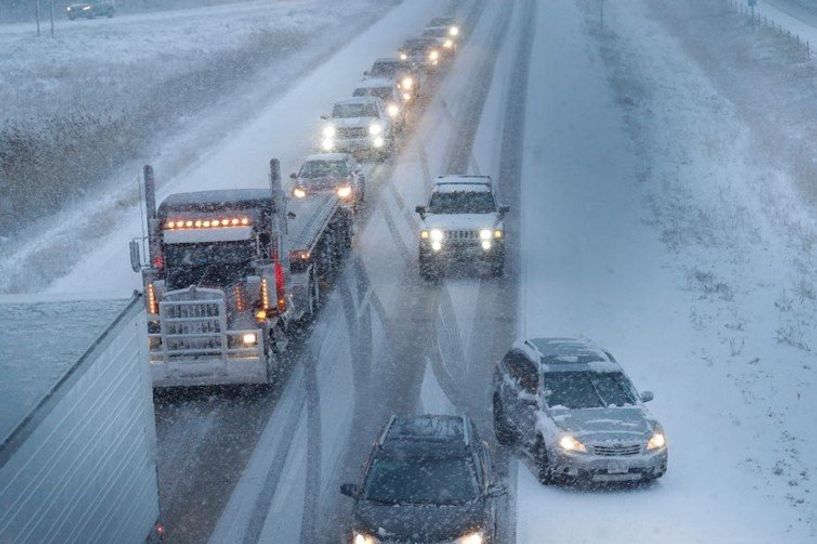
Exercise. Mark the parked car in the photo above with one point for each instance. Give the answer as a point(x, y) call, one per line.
point(336, 173)
point(90, 9)
point(570, 408)
point(429, 479)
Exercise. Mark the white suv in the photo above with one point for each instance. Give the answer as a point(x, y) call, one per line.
point(358, 125)
point(462, 222)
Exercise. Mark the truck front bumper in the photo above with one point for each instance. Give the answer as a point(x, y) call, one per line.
point(462, 251)
point(194, 372)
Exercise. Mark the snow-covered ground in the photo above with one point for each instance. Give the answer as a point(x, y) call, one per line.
point(647, 229)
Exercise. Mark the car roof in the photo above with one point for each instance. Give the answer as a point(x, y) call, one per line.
point(423, 40)
point(375, 82)
point(327, 157)
point(391, 60)
point(557, 354)
point(426, 434)
point(359, 100)
point(462, 183)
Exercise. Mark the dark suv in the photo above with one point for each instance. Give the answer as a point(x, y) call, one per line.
point(429, 479)
point(90, 9)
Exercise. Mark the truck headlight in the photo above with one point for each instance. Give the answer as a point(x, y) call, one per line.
point(360, 538)
point(345, 191)
point(407, 83)
point(434, 55)
point(375, 129)
point(424, 234)
point(393, 110)
point(471, 538)
point(436, 245)
point(486, 245)
point(379, 142)
point(403, 56)
point(658, 439)
point(328, 144)
point(328, 131)
point(454, 31)
point(436, 235)
point(485, 234)
point(498, 233)
point(249, 339)
point(297, 192)
point(568, 443)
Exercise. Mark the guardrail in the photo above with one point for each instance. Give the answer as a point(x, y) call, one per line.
point(742, 7)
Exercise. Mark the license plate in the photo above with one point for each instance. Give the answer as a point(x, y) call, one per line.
point(617, 468)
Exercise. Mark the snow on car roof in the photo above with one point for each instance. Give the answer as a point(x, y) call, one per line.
point(562, 353)
point(454, 183)
point(327, 157)
point(42, 341)
point(427, 428)
point(358, 100)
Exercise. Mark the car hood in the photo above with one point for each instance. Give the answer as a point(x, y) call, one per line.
point(78, 6)
point(326, 182)
point(461, 221)
point(353, 122)
point(418, 523)
point(612, 424)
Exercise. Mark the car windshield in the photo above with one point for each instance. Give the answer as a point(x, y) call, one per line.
point(415, 46)
point(421, 480)
point(384, 93)
point(387, 69)
point(323, 169)
point(587, 389)
point(344, 111)
point(436, 32)
point(462, 202)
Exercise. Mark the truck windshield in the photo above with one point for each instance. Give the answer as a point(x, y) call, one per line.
point(215, 264)
point(386, 69)
point(384, 93)
point(343, 111)
point(324, 169)
point(418, 46)
point(462, 202)
point(421, 480)
point(588, 389)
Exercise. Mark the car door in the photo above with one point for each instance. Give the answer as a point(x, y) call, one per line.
point(522, 393)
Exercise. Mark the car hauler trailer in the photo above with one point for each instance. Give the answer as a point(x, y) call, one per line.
point(230, 275)
point(77, 436)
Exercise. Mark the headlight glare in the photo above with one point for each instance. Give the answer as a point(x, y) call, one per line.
point(658, 439)
point(298, 192)
point(407, 83)
point(360, 538)
point(249, 339)
point(434, 55)
point(471, 538)
point(568, 443)
point(393, 110)
point(454, 31)
point(375, 129)
point(345, 191)
point(436, 235)
point(328, 144)
point(403, 56)
point(328, 131)
point(485, 234)
point(424, 234)
point(448, 44)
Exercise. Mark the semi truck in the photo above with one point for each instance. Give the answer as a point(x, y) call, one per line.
point(231, 275)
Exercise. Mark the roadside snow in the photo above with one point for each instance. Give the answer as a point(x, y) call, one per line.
point(645, 229)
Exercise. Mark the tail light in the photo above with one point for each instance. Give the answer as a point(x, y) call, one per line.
point(280, 287)
point(152, 302)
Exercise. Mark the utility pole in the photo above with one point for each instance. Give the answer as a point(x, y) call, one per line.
point(602, 13)
point(51, 7)
point(37, 10)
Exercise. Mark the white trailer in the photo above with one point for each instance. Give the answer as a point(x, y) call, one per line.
point(77, 435)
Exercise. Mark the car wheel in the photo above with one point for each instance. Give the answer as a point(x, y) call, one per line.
point(540, 458)
point(504, 435)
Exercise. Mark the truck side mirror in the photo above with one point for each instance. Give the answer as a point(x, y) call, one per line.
point(135, 261)
point(504, 209)
point(293, 175)
point(350, 490)
point(647, 396)
point(421, 210)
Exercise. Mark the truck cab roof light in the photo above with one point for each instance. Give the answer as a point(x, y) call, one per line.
point(175, 224)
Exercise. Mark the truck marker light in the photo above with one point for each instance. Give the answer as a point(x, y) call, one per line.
point(265, 300)
point(406, 97)
point(245, 221)
point(153, 306)
point(188, 224)
point(205, 224)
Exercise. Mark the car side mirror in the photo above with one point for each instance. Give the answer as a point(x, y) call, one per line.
point(135, 261)
point(647, 396)
point(293, 175)
point(420, 209)
point(496, 490)
point(350, 490)
point(504, 209)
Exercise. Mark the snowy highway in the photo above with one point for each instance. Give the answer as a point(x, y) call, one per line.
point(646, 214)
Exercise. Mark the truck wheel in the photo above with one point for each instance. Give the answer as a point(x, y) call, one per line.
point(503, 434)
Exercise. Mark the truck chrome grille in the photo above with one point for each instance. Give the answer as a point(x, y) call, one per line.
point(617, 450)
point(462, 234)
point(352, 132)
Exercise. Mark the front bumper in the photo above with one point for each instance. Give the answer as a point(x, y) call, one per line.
point(603, 469)
point(462, 251)
point(355, 145)
point(189, 373)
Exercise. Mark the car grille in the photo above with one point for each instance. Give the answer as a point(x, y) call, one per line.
point(617, 450)
point(352, 132)
point(462, 235)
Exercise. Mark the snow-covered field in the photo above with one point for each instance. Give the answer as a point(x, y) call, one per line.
point(650, 229)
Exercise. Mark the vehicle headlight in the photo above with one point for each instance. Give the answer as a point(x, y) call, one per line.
point(328, 131)
point(345, 191)
point(434, 55)
point(298, 192)
point(403, 56)
point(568, 443)
point(485, 234)
point(498, 233)
point(436, 245)
point(471, 538)
point(375, 129)
point(407, 83)
point(658, 439)
point(454, 31)
point(448, 44)
point(360, 538)
point(406, 97)
point(393, 110)
point(328, 144)
point(378, 142)
point(436, 235)
point(424, 234)
point(486, 245)
point(249, 339)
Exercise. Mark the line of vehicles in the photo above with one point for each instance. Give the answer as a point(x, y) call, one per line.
point(232, 275)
